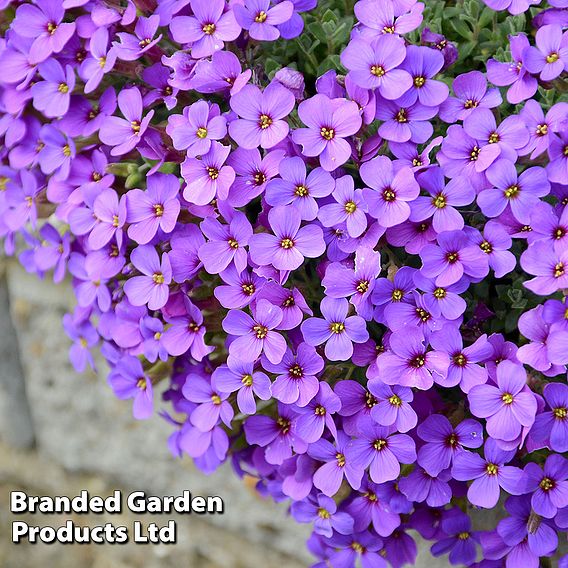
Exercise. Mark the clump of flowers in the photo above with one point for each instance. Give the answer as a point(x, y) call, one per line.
point(331, 239)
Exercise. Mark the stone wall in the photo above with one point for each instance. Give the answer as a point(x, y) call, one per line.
point(61, 432)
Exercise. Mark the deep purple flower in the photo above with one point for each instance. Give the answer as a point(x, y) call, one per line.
point(221, 73)
point(349, 208)
point(393, 406)
point(444, 442)
point(391, 190)
point(208, 28)
point(420, 486)
point(209, 177)
point(520, 192)
point(551, 426)
point(490, 474)
point(124, 134)
point(296, 382)
point(194, 130)
point(155, 209)
point(382, 451)
point(226, 243)
point(375, 65)
point(460, 541)
point(323, 514)
point(550, 56)
point(128, 380)
point(548, 485)
point(453, 257)
point(318, 414)
point(211, 405)
point(261, 115)
point(287, 247)
point(549, 267)
point(508, 406)
point(522, 84)
point(405, 121)
point(386, 17)
point(291, 302)
point(260, 19)
point(329, 122)
point(297, 189)
point(42, 22)
point(256, 334)
point(471, 92)
point(152, 286)
point(52, 95)
point(335, 329)
point(133, 46)
point(99, 62)
point(408, 363)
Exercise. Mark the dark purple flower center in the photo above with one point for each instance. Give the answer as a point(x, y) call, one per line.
point(145, 42)
point(491, 469)
point(560, 232)
point(327, 133)
point(233, 243)
point(259, 178)
point(264, 121)
point(418, 361)
point(401, 116)
point(301, 191)
point(51, 28)
point(319, 410)
point(460, 360)
point(546, 484)
point(452, 257)
point(380, 444)
point(452, 440)
point(286, 243)
point(289, 302)
point(194, 327)
point(370, 400)
point(362, 286)
point(212, 172)
point(559, 270)
point(209, 29)
point(296, 371)
point(284, 424)
point(470, 103)
point(419, 81)
point(261, 331)
point(248, 288)
point(542, 129)
point(340, 459)
point(560, 413)
point(474, 154)
point(389, 194)
point(565, 150)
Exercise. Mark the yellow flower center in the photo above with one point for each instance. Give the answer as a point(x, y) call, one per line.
point(158, 278)
point(260, 331)
point(395, 400)
point(201, 132)
point(63, 88)
point(552, 57)
point(261, 17)
point(212, 172)
point(401, 116)
point(460, 360)
point(264, 121)
point(362, 286)
point(337, 327)
point(216, 399)
point(350, 207)
point(135, 125)
point(470, 103)
point(233, 243)
point(301, 191)
point(491, 469)
point(542, 130)
point(209, 29)
point(494, 138)
point(486, 247)
point(340, 459)
point(247, 380)
point(327, 133)
point(158, 210)
point(559, 270)
point(67, 150)
point(377, 70)
point(547, 484)
point(379, 444)
point(508, 398)
point(389, 194)
point(440, 293)
point(474, 154)
point(419, 81)
point(439, 201)
point(560, 413)
point(286, 243)
point(397, 295)
point(141, 384)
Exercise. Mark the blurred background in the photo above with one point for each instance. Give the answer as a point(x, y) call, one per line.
point(61, 432)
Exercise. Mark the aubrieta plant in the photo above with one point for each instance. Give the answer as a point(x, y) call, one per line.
point(332, 239)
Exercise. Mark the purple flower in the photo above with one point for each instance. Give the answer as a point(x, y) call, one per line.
point(349, 208)
point(296, 382)
point(152, 287)
point(323, 513)
point(211, 405)
point(207, 178)
point(99, 62)
point(391, 190)
point(318, 414)
point(404, 121)
point(420, 486)
point(291, 302)
point(541, 127)
point(495, 242)
point(471, 92)
point(133, 46)
point(521, 193)
point(256, 334)
point(508, 406)
point(194, 130)
point(382, 451)
point(42, 22)
point(186, 333)
point(549, 487)
point(460, 541)
point(52, 95)
point(329, 122)
point(84, 336)
point(253, 174)
point(110, 213)
point(240, 289)
point(375, 65)
point(523, 84)
point(408, 363)
point(513, 6)
point(297, 189)
point(226, 243)
point(208, 28)
point(335, 329)
point(277, 436)
point(261, 114)
point(393, 406)
point(261, 20)
point(241, 377)
point(549, 267)
point(443, 198)
point(329, 476)
point(490, 474)
point(128, 380)
point(444, 443)
point(550, 56)
point(383, 18)
point(464, 369)
point(453, 257)
point(221, 73)
point(155, 209)
point(124, 134)
point(424, 63)
point(287, 247)
point(551, 426)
